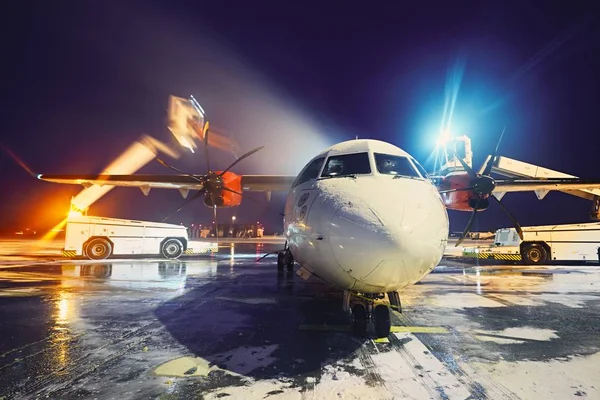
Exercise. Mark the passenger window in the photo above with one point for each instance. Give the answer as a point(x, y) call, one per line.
point(311, 171)
point(347, 164)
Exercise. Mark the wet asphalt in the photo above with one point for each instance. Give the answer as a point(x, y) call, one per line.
point(227, 326)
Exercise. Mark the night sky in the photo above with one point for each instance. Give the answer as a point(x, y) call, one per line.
point(85, 79)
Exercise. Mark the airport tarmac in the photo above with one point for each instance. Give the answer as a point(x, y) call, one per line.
point(11, 247)
point(227, 326)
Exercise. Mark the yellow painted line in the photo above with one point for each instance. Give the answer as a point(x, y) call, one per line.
point(381, 340)
point(419, 329)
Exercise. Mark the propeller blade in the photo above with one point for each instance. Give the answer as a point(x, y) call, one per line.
point(164, 164)
point(248, 154)
point(490, 164)
point(469, 224)
point(194, 197)
point(241, 194)
point(205, 132)
point(212, 199)
point(457, 189)
point(462, 162)
point(231, 190)
point(512, 217)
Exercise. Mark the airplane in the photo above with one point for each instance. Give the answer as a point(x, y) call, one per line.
point(362, 215)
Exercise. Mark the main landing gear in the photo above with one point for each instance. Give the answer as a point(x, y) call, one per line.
point(367, 308)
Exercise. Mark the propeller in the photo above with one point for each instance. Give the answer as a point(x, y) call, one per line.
point(205, 135)
point(482, 186)
point(194, 197)
point(212, 183)
point(248, 154)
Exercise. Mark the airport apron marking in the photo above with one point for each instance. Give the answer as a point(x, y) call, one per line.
point(393, 329)
point(496, 256)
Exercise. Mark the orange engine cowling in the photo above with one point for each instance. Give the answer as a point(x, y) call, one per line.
point(463, 200)
point(225, 198)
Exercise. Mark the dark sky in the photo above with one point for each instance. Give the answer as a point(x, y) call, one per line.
point(86, 79)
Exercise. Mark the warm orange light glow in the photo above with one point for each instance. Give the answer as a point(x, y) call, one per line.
point(75, 213)
point(52, 232)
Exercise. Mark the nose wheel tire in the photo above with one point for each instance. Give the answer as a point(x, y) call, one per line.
point(394, 298)
point(367, 308)
point(383, 325)
point(359, 320)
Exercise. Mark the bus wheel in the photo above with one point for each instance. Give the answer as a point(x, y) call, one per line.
point(98, 249)
point(534, 253)
point(171, 248)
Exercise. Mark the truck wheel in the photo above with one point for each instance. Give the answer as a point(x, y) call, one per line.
point(98, 249)
point(171, 248)
point(534, 253)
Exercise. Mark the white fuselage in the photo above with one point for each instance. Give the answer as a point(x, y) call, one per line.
point(368, 232)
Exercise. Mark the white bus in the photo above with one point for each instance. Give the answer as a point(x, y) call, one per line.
point(570, 242)
point(541, 244)
point(98, 238)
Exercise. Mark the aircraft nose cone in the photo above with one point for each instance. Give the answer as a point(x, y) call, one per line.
point(391, 237)
point(361, 244)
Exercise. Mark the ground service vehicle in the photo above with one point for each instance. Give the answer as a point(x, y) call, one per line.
point(541, 244)
point(98, 238)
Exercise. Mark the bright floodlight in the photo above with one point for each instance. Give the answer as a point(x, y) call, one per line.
point(443, 138)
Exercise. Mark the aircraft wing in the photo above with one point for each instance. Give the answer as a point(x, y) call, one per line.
point(562, 184)
point(267, 183)
point(254, 183)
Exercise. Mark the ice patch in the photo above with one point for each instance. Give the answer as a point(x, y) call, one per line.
point(497, 339)
point(462, 300)
point(574, 378)
point(187, 367)
point(516, 335)
point(257, 390)
point(568, 299)
point(239, 362)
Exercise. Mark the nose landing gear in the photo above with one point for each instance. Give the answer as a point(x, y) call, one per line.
point(285, 259)
point(368, 307)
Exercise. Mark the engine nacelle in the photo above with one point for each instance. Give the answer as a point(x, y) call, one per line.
point(463, 200)
point(225, 198)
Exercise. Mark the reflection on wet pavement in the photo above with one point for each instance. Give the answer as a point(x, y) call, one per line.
point(227, 326)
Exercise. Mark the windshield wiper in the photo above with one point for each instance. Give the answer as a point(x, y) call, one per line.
point(338, 176)
point(405, 176)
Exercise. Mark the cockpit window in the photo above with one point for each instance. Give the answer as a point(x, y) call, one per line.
point(347, 164)
point(420, 168)
point(395, 165)
point(311, 171)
